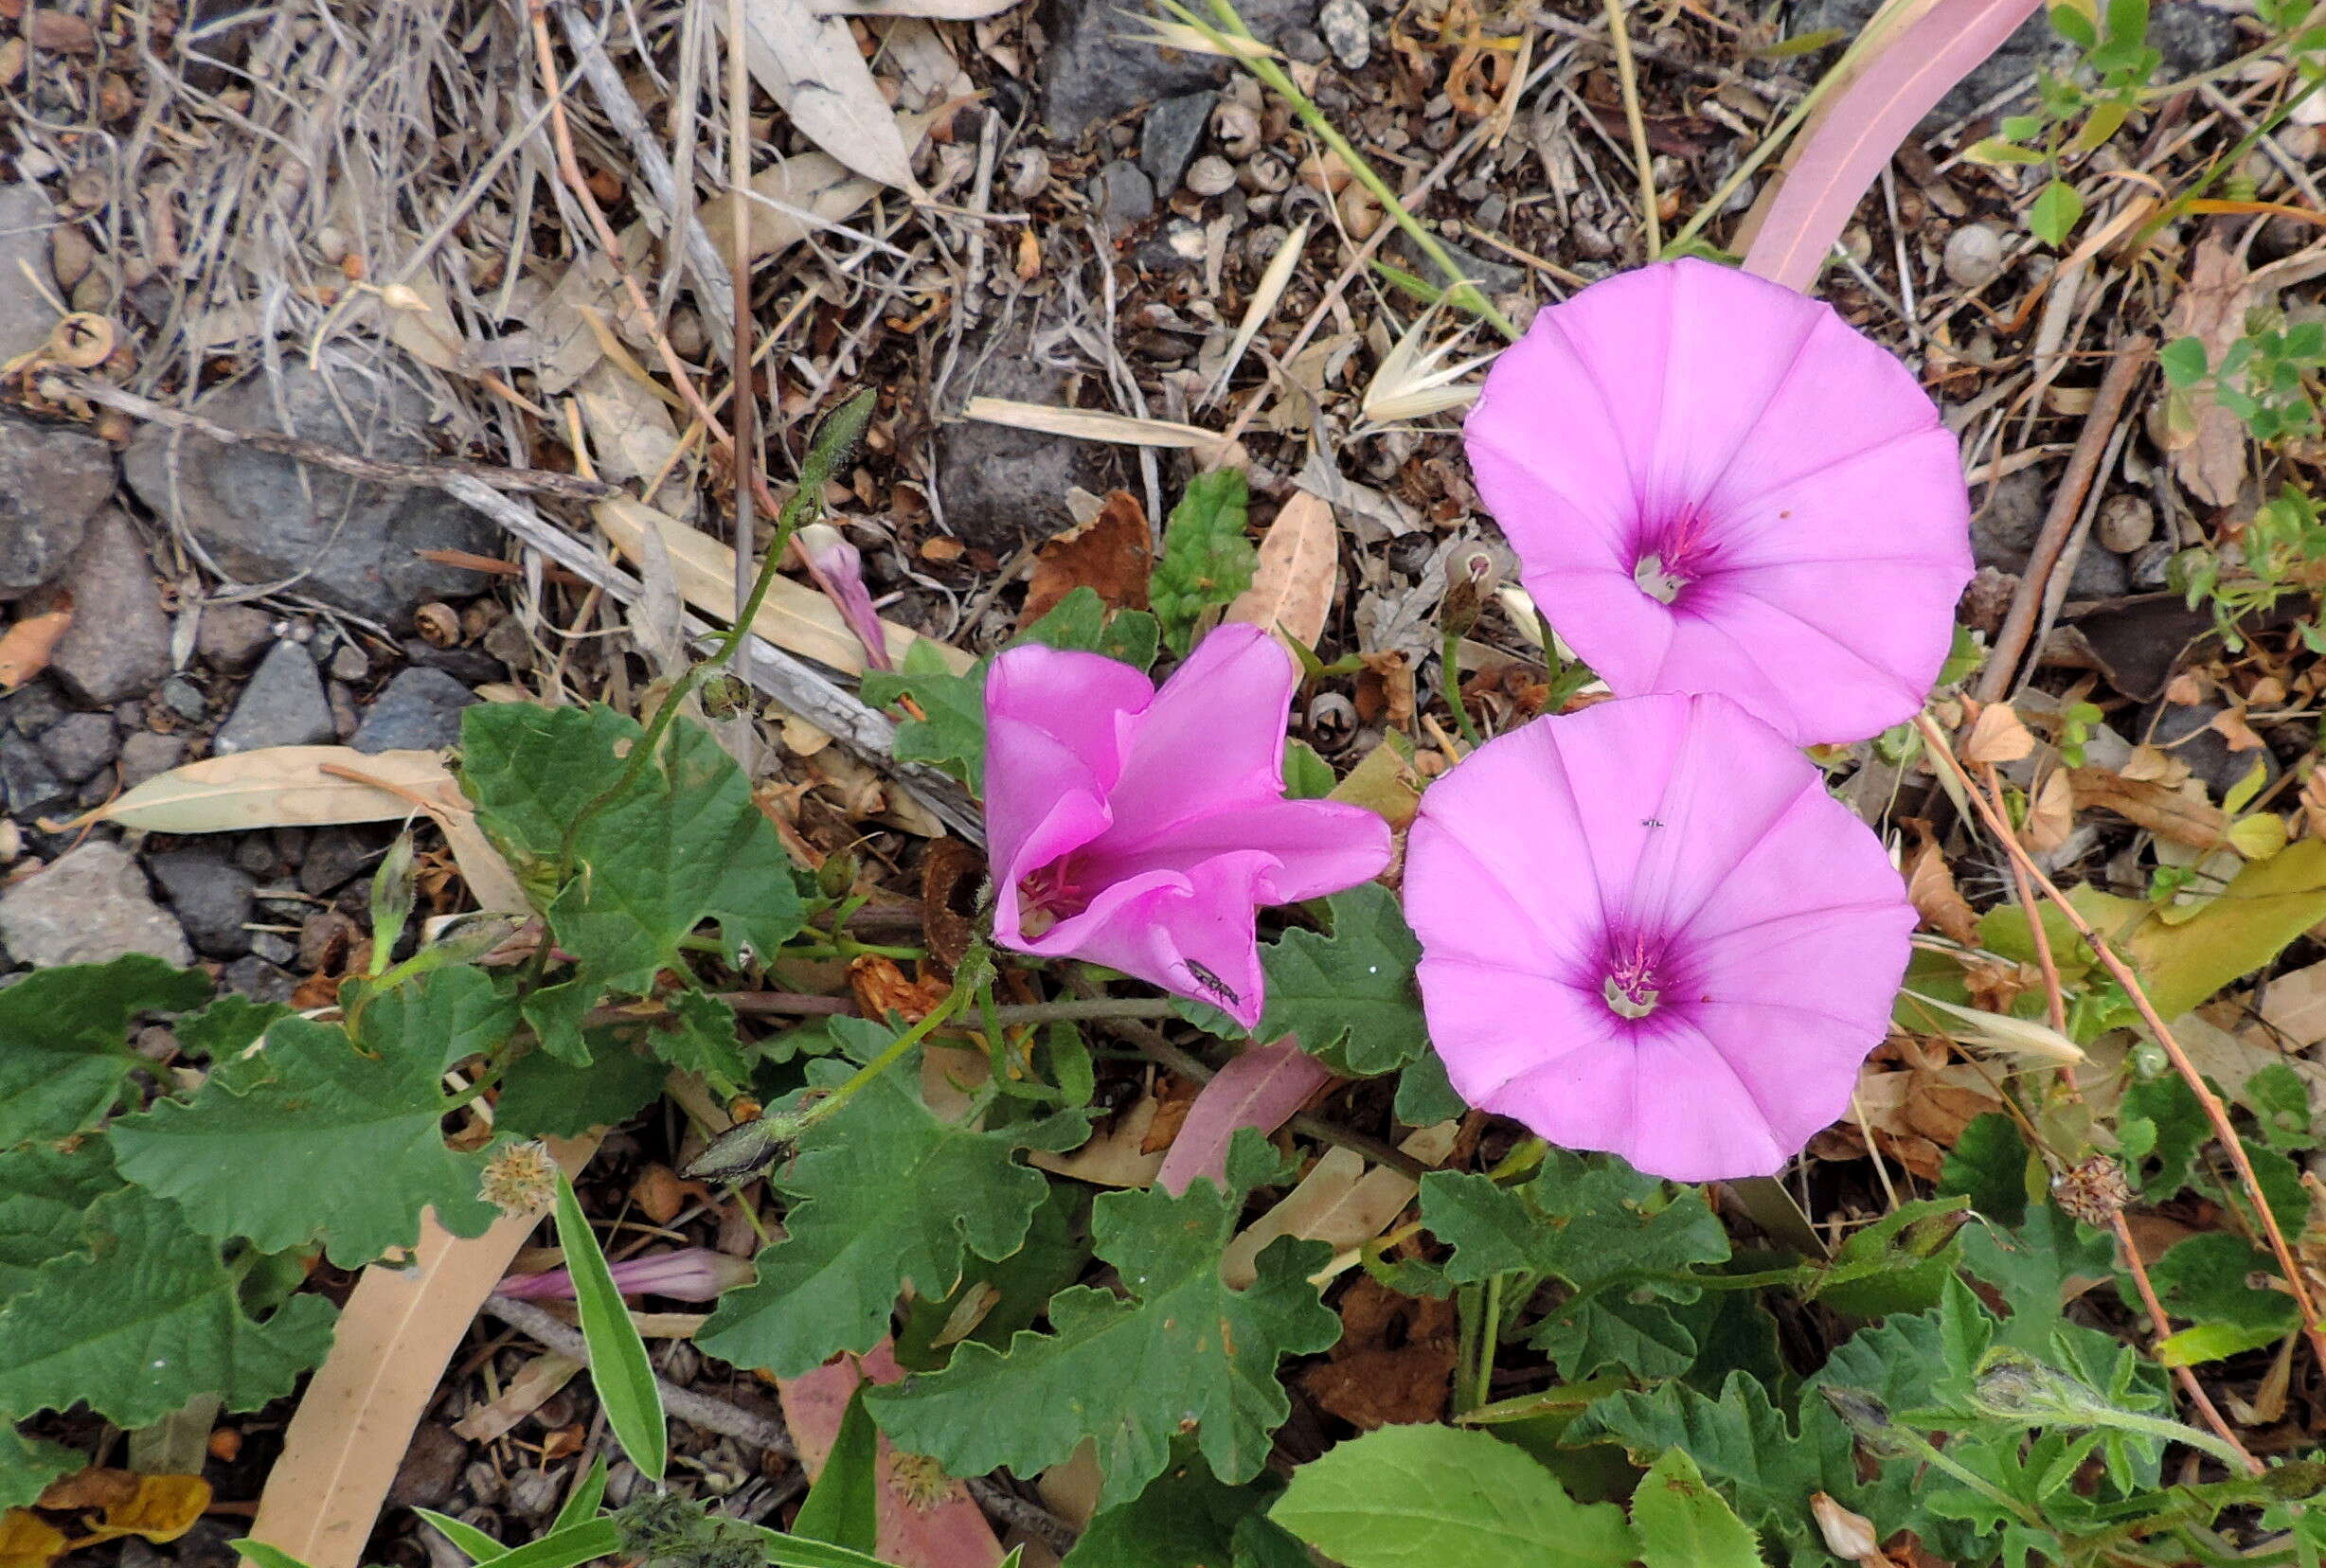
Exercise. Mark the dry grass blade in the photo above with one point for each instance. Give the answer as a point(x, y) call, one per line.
point(1414, 381)
point(394, 1338)
point(1265, 293)
point(1089, 424)
point(810, 65)
point(793, 618)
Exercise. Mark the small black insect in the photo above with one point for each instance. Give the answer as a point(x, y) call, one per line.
point(1211, 981)
point(1651, 821)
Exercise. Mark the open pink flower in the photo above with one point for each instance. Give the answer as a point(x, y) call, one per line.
point(1140, 829)
point(1646, 928)
point(1714, 484)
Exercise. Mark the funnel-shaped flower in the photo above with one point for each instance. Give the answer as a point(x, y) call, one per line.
point(1140, 829)
point(1646, 928)
point(685, 1274)
point(1714, 484)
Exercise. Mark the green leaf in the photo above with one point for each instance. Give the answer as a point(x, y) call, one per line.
point(320, 1138)
point(2161, 1119)
point(1988, 1165)
point(2211, 1341)
point(1183, 1517)
point(1424, 1095)
point(229, 1025)
point(467, 1539)
point(67, 1033)
point(705, 1042)
point(619, 1368)
point(2034, 1267)
point(1206, 561)
point(28, 1464)
point(2281, 1102)
point(1307, 776)
point(2202, 1280)
point(1684, 1523)
point(1185, 1352)
point(2075, 26)
point(1766, 1467)
point(566, 1548)
point(146, 1320)
point(1350, 997)
point(951, 731)
point(1017, 1289)
point(1424, 1496)
point(543, 1097)
point(843, 1505)
point(885, 1194)
point(682, 844)
point(583, 1506)
point(2056, 213)
point(2264, 909)
point(1898, 1264)
point(45, 1197)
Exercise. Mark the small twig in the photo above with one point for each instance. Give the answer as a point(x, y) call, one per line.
point(1998, 679)
point(57, 385)
point(2056, 1011)
point(2215, 1113)
point(1643, 158)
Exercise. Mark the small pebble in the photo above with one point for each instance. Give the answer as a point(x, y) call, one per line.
point(182, 698)
point(1347, 31)
point(2126, 523)
point(1974, 256)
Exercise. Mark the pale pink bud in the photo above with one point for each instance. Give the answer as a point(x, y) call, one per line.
point(839, 569)
point(688, 1273)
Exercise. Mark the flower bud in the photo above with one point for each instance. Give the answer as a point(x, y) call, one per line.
point(1849, 1536)
point(683, 1273)
point(1468, 581)
point(839, 569)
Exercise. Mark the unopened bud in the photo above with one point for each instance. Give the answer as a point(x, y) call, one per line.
point(1468, 581)
point(1849, 1536)
point(744, 1151)
point(839, 569)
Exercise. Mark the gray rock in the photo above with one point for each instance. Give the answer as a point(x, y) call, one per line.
point(267, 519)
point(1497, 278)
point(232, 638)
point(185, 699)
point(274, 947)
point(147, 755)
point(1003, 487)
point(1347, 31)
point(1173, 129)
point(210, 897)
point(25, 218)
point(1096, 70)
point(2184, 730)
point(30, 783)
point(335, 857)
point(283, 705)
point(1974, 256)
point(88, 906)
point(35, 708)
point(53, 478)
point(118, 644)
point(2191, 36)
point(2152, 566)
point(420, 711)
point(468, 665)
point(349, 662)
point(2003, 532)
point(79, 744)
point(1123, 195)
point(259, 980)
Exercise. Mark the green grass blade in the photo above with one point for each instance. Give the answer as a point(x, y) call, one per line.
point(586, 1498)
point(618, 1367)
point(474, 1543)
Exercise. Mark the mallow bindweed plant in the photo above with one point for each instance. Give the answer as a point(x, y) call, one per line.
point(1643, 930)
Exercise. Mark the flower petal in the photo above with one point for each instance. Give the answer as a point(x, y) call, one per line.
point(1080, 700)
point(1172, 929)
point(1318, 847)
point(1682, 850)
point(1719, 423)
point(1042, 803)
point(1213, 737)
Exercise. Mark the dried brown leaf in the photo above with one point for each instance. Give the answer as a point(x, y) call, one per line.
point(1112, 555)
point(2164, 812)
point(1998, 736)
point(2208, 448)
point(1930, 887)
point(1298, 576)
point(25, 646)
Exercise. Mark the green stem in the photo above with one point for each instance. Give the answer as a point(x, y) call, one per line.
point(1490, 1334)
point(1230, 33)
point(964, 987)
point(1452, 663)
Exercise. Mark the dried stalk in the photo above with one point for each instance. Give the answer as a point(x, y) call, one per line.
point(2215, 1113)
point(57, 385)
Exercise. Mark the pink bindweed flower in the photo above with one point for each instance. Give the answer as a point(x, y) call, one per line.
point(839, 569)
point(685, 1274)
point(1647, 929)
point(1140, 829)
point(1714, 484)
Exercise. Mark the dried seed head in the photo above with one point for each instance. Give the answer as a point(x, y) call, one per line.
point(1210, 175)
point(518, 1179)
point(919, 1480)
point(2093, 1190)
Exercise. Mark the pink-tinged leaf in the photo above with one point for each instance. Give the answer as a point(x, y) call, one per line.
point(926, 1518)
point(1261, 1088)
point(1867, 122)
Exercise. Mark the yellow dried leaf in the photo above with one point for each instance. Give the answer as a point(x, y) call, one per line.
point(27, 1540)
point(277, 787)
point(25, 646)
point(2259, 836)
point(161, 1509)
point(1998, 736)
point(1298, 574)
point(2052, 815)
point(1384, 784)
